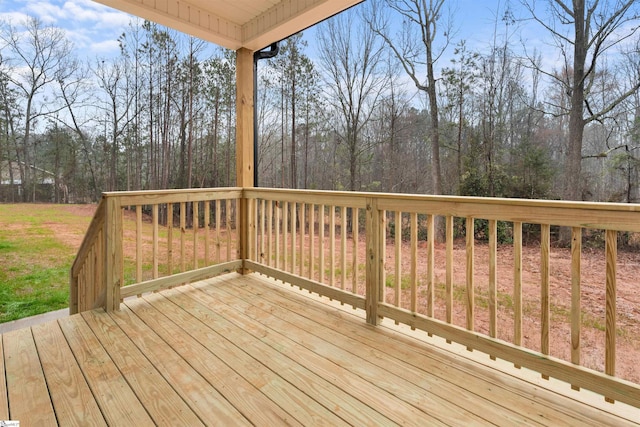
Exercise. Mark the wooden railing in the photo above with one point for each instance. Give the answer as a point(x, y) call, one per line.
point(149, 240)
point(474, 271)
point(379, 252)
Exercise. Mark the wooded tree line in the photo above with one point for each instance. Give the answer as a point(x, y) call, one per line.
point(385, 99)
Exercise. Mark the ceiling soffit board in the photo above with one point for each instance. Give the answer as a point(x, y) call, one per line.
point(209, 20)
point(185, 17)
point(289, 17)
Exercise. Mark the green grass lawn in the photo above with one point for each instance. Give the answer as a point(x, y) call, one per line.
point(38, 243)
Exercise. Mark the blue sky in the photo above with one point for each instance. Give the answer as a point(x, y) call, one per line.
point(94, 28)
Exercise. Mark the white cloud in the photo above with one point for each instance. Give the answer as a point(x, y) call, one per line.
point(92, 27)
point(104, 48)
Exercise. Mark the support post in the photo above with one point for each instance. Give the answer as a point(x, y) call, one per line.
point(374, 260)
point(113, 254)
point(244, 142)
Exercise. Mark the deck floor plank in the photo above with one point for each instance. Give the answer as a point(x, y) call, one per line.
point(117, 401)
point(248, 399)
point(211, 406)
point(162, 402)
point(72, 399)
point(419, 397)
point(418, 378)
point(236, 324)
point(475, 393)
point(27, 390)
point(538, 404)
point(341, 403)
point(247, 350)
point(4, 402)
point(300, 406)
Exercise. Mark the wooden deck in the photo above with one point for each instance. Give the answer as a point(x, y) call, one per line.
point(242, 350)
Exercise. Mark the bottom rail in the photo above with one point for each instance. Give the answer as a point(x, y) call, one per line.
point(606, 385)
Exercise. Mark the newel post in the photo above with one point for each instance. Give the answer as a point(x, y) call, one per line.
point(113, 261)
point(375, 237)
point(244, 143)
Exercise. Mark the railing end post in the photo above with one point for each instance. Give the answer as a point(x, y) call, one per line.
point(374, 260)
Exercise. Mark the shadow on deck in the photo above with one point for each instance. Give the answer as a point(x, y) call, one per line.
point(245, 350)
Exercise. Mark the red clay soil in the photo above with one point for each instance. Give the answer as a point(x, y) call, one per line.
point(592, 300)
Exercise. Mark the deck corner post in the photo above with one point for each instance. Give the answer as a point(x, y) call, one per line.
point(112, 280)
point(244, 143)
point(374, 227)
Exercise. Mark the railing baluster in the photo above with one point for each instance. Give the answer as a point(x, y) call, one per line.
point(322, 249)
point(170, 238)
point(449, 270)
point(277, 208)
point(382, 218)
point(294, 235)
point(311, 240)
point(303, 226)
point(414, 261)
point(517, 284)
point(138, 243)
point(154, 219)
point(576, 306)
point(611, 256)
point(469, 250)
point(183, 231)
point(269, 232)
point(207, 225)
point(196, 226)
point(430, 263)
point(262, 219)
point(343, 247)
point(332, 245)
point(493, 279)
point(398, 267)
point(285, 235)
point(228, 209)
point(237, 208)
point(545, 305)
point(355, 224)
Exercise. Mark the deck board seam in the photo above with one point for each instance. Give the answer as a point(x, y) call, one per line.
point(279, 337)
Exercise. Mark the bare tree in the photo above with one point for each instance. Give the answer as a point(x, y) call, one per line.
point(584, 31)
point(38, 55)
point(415, 47)
point(349, 55)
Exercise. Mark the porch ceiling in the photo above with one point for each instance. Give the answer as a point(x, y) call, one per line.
point(252, 24)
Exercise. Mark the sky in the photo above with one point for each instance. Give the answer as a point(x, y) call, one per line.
point(94, 28)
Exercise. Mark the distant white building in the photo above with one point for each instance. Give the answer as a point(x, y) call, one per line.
point(11, 186)
point(43, 176)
